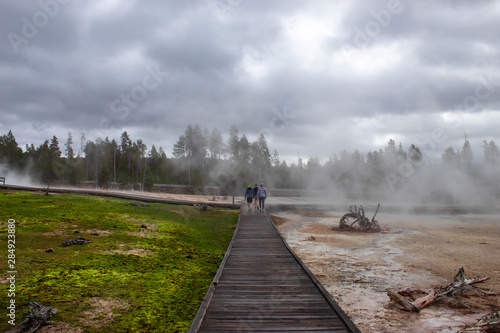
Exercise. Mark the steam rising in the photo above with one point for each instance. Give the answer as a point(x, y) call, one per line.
point(392, 176)
point(17, 178)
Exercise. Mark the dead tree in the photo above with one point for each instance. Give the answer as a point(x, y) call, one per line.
point(406, 298)
point(35, 318)
point(357, 215)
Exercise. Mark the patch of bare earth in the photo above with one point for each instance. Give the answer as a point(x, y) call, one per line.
point(149, 230)
point(416, 251)
point(64, 232)
point(59, 327)
point(135, 252)
point(97, 232)
point(103, 312)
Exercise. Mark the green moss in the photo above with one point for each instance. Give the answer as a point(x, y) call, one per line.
point(151, 265)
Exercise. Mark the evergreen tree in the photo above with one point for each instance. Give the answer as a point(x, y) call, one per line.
point(180, 149)
point(69, 147)
point(91, 161)
point(244, 150)
point(44, 162)
point(10, 152)
point(140, 150)
point(402, 155)
point(30, 150)
point(216, 144)
point(491, 153)
point(54, 147)
point(275, 158)
point(234, 143)
point(264, 151)
point(415, 156)
point(466, 155)
point(115, 151)
point(450, 157)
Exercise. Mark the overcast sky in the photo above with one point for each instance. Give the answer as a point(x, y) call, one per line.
point(316, 77)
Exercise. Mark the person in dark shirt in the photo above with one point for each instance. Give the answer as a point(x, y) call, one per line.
point(249, 196)
point(255, 196)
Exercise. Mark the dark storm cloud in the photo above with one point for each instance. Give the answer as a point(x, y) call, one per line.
point(153, 67)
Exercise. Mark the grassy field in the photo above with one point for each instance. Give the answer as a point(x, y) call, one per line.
point(146, 269)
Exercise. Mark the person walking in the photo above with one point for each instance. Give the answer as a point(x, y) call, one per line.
point(256, 196)
point(262, 197)
point(249, 197)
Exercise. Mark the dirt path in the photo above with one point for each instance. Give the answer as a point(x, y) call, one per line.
point(418, 251)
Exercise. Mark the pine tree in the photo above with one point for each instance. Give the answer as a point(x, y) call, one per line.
point(415, 156)
point(466, 154)
point(54, 147)
point(450, 157)
point(264, 149)
point(234, 143)
point(10, 152)
point(275, 158)
point(491, 153)
point(180, 150)
point(69, 148)
point(216, 144)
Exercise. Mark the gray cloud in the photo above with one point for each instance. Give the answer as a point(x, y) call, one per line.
point(350, 74)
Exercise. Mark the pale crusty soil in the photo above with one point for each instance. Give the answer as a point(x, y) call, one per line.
point(414, 251)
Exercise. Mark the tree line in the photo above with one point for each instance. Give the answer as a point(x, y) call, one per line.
point(203, 158)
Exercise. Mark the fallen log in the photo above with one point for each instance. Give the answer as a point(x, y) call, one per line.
point(487, 323)
point(35, 318)
point(76, 241)
point(460, 285)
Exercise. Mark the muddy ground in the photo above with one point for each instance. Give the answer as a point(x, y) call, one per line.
point(415, 251)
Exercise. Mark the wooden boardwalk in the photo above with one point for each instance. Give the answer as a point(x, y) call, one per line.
point(262, 286)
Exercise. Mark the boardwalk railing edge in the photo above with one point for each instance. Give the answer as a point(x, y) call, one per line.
point(343, 316)
point(208, 296)
point(120, 195)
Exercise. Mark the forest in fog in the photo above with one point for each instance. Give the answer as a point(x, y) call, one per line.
point(201, 158)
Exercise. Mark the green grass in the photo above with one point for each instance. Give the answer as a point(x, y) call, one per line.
point(147, 269)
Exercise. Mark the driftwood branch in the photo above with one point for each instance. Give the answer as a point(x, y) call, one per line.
point(487, 323)
point(376, 211)
point(35, 318)
point(460, 285)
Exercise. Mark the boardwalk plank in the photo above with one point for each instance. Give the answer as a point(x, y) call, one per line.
point(262, 286)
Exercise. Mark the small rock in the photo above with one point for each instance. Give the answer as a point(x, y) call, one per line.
point(49, 250)
point(138, 203)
